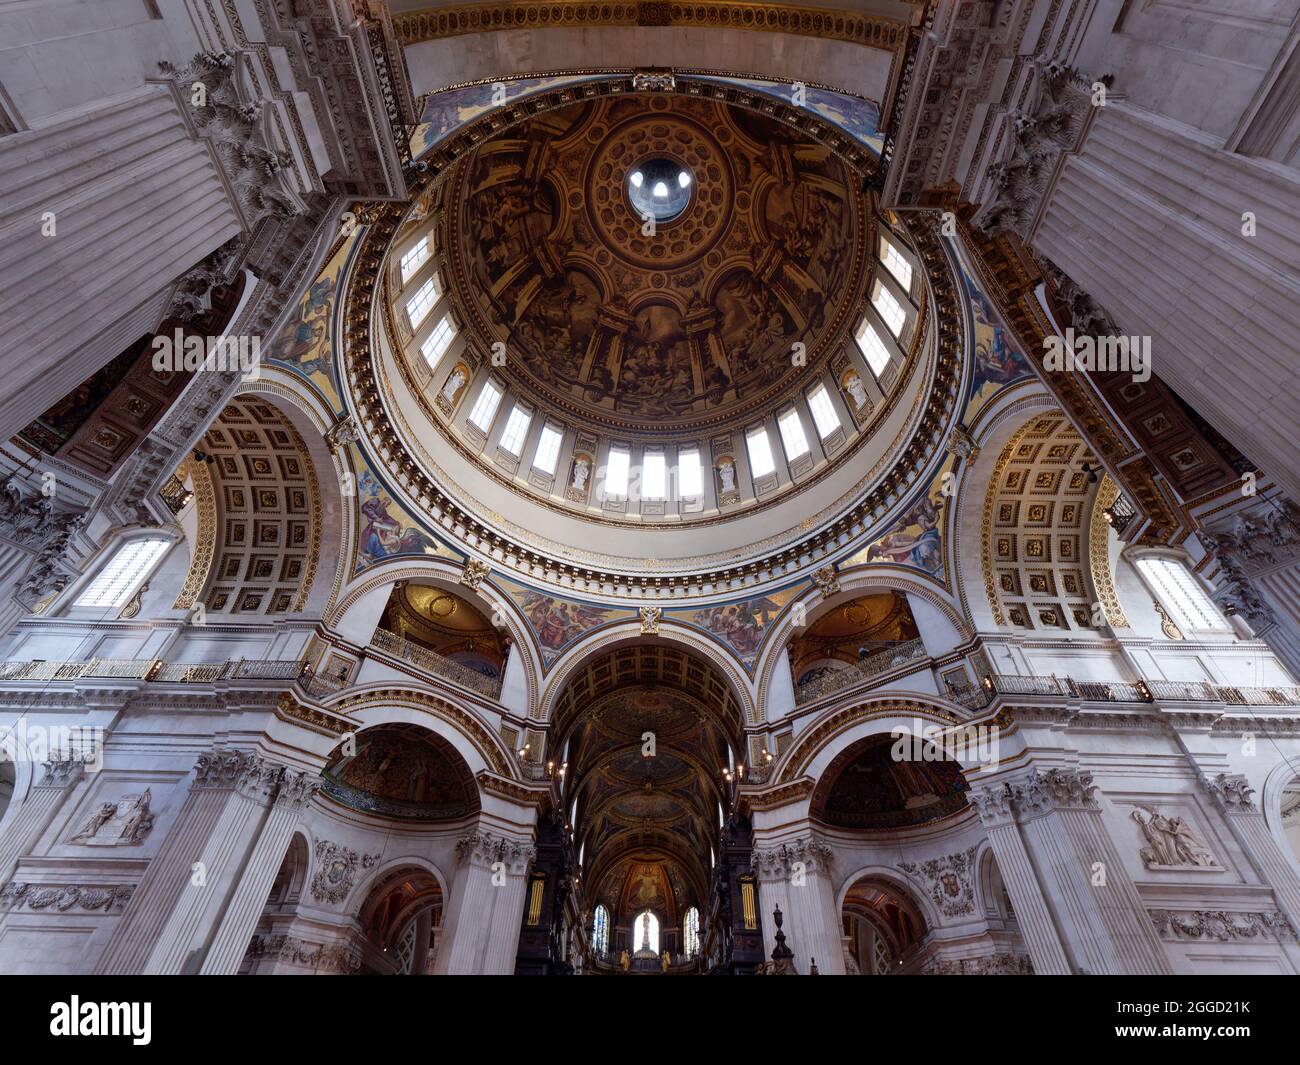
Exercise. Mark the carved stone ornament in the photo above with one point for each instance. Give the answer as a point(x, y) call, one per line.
point(327, 957)
point(1223, 926)
point(33, 522)
point(337, 870)
point(62, 771)
point(961, 444)
point(1231, 792)
point(124, 822)
point(988, 965)
point(650, 616)
point(65, 897)
point(653, 81)
point(342, 433)
point(828, 583)
point(474, 573)
point(950, 881)
point(1167, 626)
point(1170, 842)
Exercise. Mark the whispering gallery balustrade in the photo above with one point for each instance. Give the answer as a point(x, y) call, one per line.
point(862, 670)
point(391, 644)
point(151, 669)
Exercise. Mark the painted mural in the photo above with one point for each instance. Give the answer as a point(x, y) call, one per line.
point(858, 117)
point(559, 622)
point(998, 362)
point(445, 112)
point(306, 346)
point(386, 529)
point(741, 625)
point(916, 538)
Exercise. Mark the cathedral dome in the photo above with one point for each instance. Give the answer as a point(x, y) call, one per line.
point(655, 311)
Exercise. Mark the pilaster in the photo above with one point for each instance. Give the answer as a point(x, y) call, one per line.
point(486, 907)
point(795, 875)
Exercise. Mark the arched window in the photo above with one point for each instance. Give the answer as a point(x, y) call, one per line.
point(1191, 608)
point(600, 930)
point(123, 573)
point(645, 932)
point(691, 932)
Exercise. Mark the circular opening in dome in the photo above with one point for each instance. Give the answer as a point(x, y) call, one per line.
point(660, 189)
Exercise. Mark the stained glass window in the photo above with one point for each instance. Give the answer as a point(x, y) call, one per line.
point(691, 932)
point(600, 930)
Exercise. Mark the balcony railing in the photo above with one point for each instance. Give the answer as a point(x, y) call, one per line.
point(151, 669)
point(432, 662)
point(1123, 691)
point(859, 672)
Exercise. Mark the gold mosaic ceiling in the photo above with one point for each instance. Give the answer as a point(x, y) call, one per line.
point(675, 329)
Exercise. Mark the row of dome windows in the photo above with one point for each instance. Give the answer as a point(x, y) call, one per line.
point(654, 469)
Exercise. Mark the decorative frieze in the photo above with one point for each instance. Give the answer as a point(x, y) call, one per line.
point(949, 880)
point(65, 897)
point(1222, 926)
point(988, 965)
point(328, 957)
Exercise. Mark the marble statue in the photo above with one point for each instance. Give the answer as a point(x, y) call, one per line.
point(727, 475)
point(1170, 841)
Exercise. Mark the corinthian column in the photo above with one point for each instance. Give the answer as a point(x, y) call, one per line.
point(233, 935)
point(1111, 928)
point(221, 778)
point(1232, 796)
point(796, 876)
point(486, 908)
point(1033, 915)
point(60, 776)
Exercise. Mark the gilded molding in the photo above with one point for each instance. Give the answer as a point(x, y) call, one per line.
point(205, 544)
point(1099, 554)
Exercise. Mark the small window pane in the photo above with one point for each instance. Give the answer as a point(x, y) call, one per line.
point(419, 305)
point(439, 341)
point(890, 310)
point(691, 933)
point(653, 475)
point(486, 407)
point(895, 263)
point(872, 347)
point(120, 577)
point(690, 475)
point(415, 258)
point(761, 462)
point(600, 930)
point(616, 472)
point(823, 412)
point(792, 435)
point(548, 450)
point(516, 429)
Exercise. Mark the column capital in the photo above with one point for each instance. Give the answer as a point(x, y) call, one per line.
point(247, 772)
point(297, 787)
point(1045, 790)
point(995, 803)
point(484, 849)
point(777, 863)
point(1231, 793)
point(61, 772)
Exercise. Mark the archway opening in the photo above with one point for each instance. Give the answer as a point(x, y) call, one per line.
point(850, 641)
point(650, 735)
point(402, 922)
point(883, 928)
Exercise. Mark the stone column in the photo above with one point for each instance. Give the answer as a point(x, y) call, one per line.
point(1232, 795)
point(1105, 921)
point(33, 817)
point(796, 875)
point(486, 908)
point(1148, 220)
point(1033, 915)
point(217, 775)
point(239, 920)
point(101, 213)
